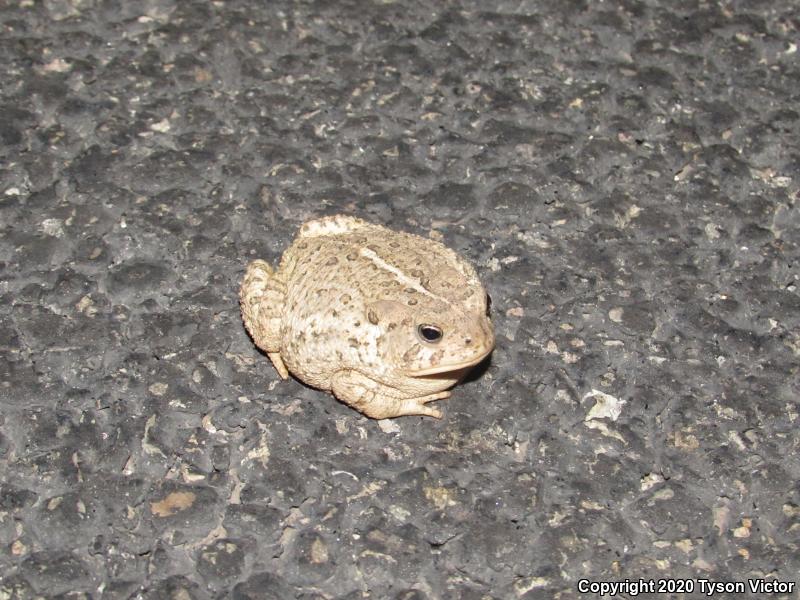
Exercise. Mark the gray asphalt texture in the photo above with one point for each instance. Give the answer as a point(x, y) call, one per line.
point(625, 177)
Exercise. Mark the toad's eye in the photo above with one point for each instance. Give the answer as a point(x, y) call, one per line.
point(488, 305)
point(430, 334)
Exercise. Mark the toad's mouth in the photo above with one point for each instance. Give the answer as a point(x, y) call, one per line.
point(452, 370)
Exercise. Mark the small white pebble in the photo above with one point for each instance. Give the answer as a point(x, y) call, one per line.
point(615, 314)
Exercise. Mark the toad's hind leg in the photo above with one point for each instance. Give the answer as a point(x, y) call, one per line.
point(375, 400)
point(261, 298)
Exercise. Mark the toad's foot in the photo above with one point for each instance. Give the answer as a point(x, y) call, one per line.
point(377, 400)
point(277, 362)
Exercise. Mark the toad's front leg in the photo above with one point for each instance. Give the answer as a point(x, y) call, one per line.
point(376, 400)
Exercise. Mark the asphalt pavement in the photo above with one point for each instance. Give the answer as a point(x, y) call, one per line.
point(624, 175)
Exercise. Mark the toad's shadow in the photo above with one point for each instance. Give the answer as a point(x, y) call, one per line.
point(478, 370)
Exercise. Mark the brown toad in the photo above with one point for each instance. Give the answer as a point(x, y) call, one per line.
point(385, 320)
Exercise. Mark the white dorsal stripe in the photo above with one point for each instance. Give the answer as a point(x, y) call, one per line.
point(398, 274)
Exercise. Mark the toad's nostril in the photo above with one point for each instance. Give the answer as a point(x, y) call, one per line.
point(467, 341)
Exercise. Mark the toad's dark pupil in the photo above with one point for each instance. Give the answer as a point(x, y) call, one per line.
point(430, 333)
